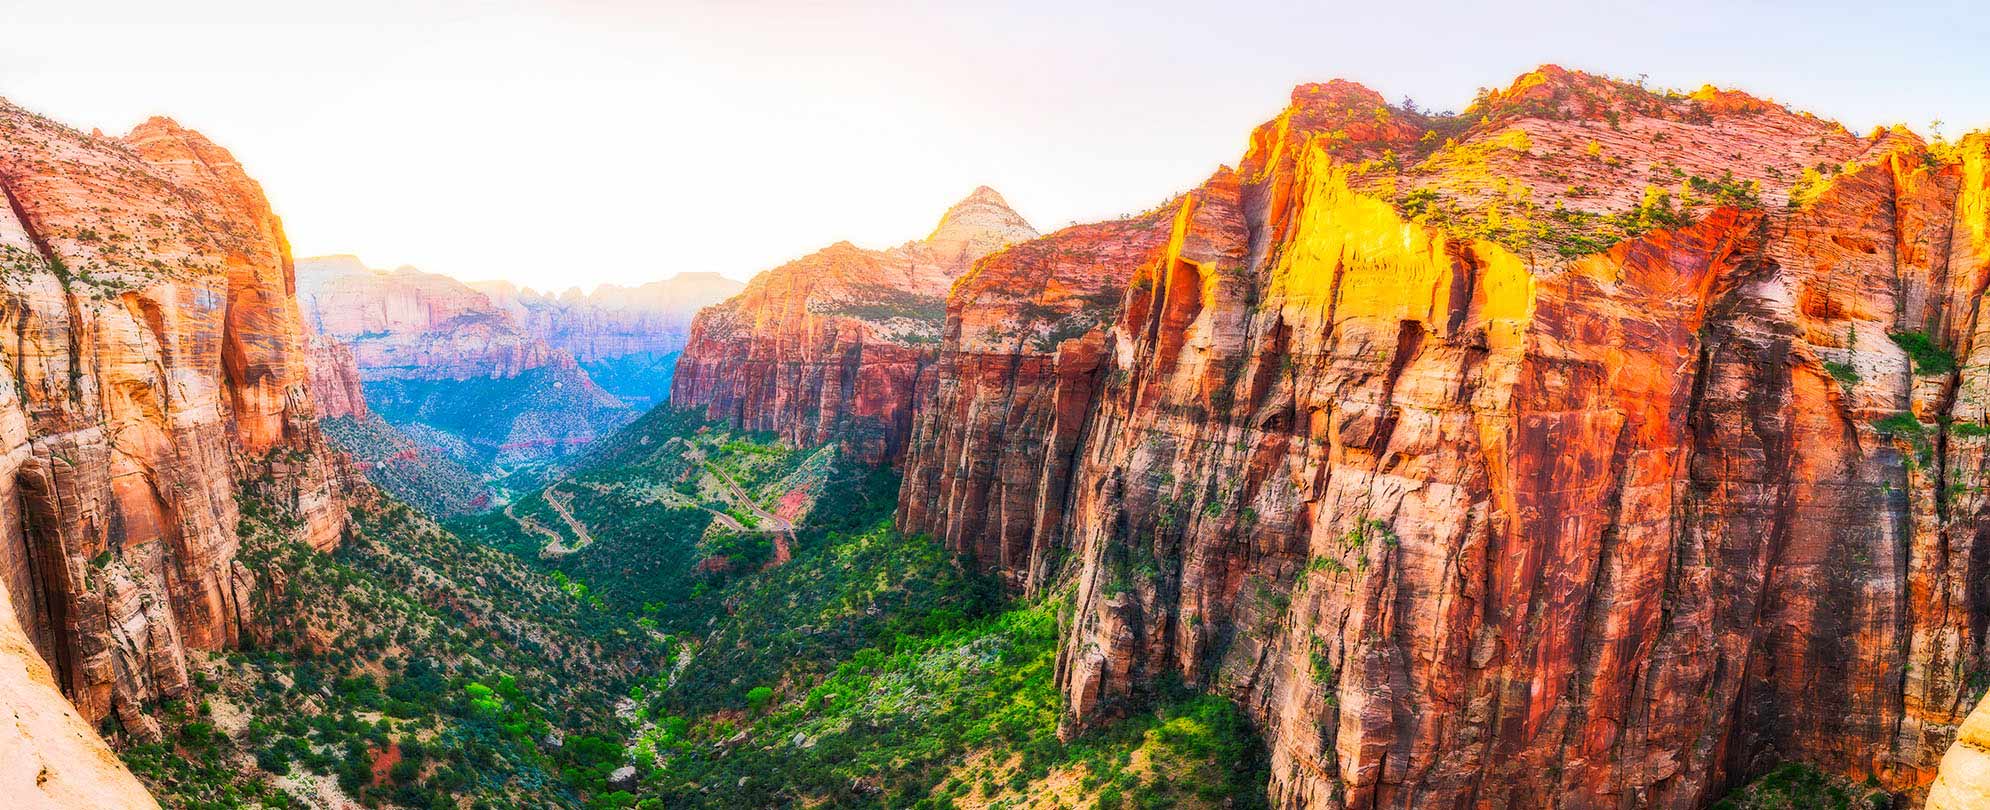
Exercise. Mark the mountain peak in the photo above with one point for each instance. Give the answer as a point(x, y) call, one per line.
point(979, 224)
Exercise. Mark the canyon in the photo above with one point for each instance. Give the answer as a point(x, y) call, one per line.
point(1596, 447)
point(490, 375)
point(446, 365)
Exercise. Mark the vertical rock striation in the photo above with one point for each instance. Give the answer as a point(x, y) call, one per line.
point(997, 425)
point(335, 380)
point(829, 347)
point(155, 358)
point(1594, 448)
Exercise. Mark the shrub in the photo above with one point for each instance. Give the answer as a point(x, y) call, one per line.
point(1929, 357)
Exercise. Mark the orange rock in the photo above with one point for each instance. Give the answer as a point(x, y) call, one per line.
point(1552, 455)
point(828, 348)
point(997, 424)
point(159, 356)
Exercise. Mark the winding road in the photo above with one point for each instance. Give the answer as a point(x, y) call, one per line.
point(784, 529)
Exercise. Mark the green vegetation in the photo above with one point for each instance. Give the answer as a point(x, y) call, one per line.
point(415, 668)
point(1928, 355)
point(925, 718)
point(879, 303)
point(1795, 786)
point(1844, 373)
point(408, 666)
point(423, 476)
point(488, 416)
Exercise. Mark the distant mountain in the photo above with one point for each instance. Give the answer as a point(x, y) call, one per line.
point(626, 338)
point(436, 355)
point(828, 347)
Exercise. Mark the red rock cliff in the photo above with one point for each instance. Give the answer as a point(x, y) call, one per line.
point(155, 357)
point(829, 347)
point(1573, 452)
point(335, 380)
point(996, 427)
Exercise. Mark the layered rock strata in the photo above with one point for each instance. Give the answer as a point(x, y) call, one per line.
point(1594, 448)
point(155, 358)
point(998, 423)
point(829, 347)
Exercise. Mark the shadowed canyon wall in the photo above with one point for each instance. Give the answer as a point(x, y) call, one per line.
point(155, 359)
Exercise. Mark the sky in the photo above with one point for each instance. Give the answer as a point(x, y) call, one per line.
point(561, 143)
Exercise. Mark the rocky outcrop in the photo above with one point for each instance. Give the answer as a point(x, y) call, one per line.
point(997, 425)
point(1963, 782)
point(335, 381)
point(442, 361)
point(155, 358)
point(829, 347)
point(50, 759)
point(1593, 448)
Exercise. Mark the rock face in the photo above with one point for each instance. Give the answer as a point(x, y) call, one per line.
point(335, 381)
point(1964, 780)
point(998, 423)
point(156, 357)
point(830, 347)
point(441, 360)
point(50, 759)
point(1595, 448)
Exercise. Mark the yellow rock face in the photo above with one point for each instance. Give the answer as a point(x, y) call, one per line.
point(49, 757)
point(1963, 782)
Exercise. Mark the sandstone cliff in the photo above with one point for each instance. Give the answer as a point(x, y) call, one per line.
point(997, 424)
point(50, 759)
point(1594, 448)
point(156, 358)
point(829, 347)
point(1964, 780)
point(335, 380)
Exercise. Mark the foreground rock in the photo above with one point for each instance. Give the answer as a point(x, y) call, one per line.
point(50, 759)
point(157, 360)
point(829, 347)
point(1964, 780)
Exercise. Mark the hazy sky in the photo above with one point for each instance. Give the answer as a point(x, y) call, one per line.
point(561, 143)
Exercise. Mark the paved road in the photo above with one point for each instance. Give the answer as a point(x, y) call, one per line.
point(784, 529)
